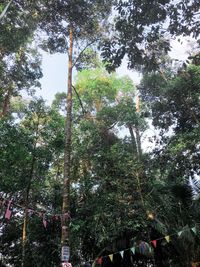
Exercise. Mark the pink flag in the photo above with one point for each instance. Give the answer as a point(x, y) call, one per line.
point(8, 214)
point(8, 211)
point(44, 222)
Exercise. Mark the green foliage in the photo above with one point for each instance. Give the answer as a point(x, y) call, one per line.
point(88, 59)
point(114, 184)
point(35, 142)
point(100, 89)
point(140, 29)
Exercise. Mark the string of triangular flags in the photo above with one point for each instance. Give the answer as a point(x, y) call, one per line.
point(9, 204)
point(143, 247)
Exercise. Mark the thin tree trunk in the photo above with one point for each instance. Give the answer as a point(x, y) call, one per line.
point(25, 222)
point(67, 152)
point(133, 141)
point(6, 104)
point(138, 141)
point(24, 231)
point(24, 236)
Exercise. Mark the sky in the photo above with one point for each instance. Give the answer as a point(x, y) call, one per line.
point(55, 75)
point(55, 70)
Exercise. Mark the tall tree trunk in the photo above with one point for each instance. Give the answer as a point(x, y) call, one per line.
point(24, 236)
point(133, 141)
point(67, 152)
point(138, 141)
point(26, 202)
point(25, 222)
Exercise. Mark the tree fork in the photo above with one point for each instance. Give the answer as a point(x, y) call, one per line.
point(67, 152)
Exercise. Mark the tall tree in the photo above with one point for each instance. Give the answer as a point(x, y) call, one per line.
point(175, 157)
point(83, 23)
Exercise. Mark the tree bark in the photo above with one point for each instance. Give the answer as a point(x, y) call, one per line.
point(25, 222)
point(67, 151)
point(133, 141)
point(138, 141)
point(26, 201)
point(6, 104)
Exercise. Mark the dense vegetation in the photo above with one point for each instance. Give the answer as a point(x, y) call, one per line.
point(121, 195)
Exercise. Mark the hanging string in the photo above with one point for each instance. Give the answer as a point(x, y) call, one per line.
point(40, 214)
point(149, 244)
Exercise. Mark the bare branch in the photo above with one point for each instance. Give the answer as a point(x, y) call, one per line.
point(81, 104)
point(89, 44)
point(5, 10)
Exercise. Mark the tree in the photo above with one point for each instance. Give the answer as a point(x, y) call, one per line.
point(106, 204)
point(19, 71)
point(79, 29)
point(28, 150)
point(142, 28)
point(175, 157)
point(20, 63)
point(81, 21)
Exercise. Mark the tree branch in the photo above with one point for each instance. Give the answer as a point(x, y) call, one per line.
point(89, 44)
point(5, 10)
point(80, 102)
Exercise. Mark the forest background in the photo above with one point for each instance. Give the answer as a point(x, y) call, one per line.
point(118, 195)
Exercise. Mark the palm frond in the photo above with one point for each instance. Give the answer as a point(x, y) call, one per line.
point(194, 184)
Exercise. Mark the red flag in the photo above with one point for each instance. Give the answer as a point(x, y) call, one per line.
point(100, 261)
point(154, 242)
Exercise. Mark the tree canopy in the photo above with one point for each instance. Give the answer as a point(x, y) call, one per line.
point(126, 205)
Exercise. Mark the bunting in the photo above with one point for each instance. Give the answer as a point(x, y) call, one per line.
point(111, 257)
point(144, 247)
point(180, 233)
point(44, 222)
point(9, 204)
point(154, 243)
point(194, 230)
point(100, 261)
point(133, 250)
point(167, 238)
point(122, 253)
point(8, 211)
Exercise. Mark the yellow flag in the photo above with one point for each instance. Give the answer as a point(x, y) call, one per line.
point(111, 257)
point(167, 237)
